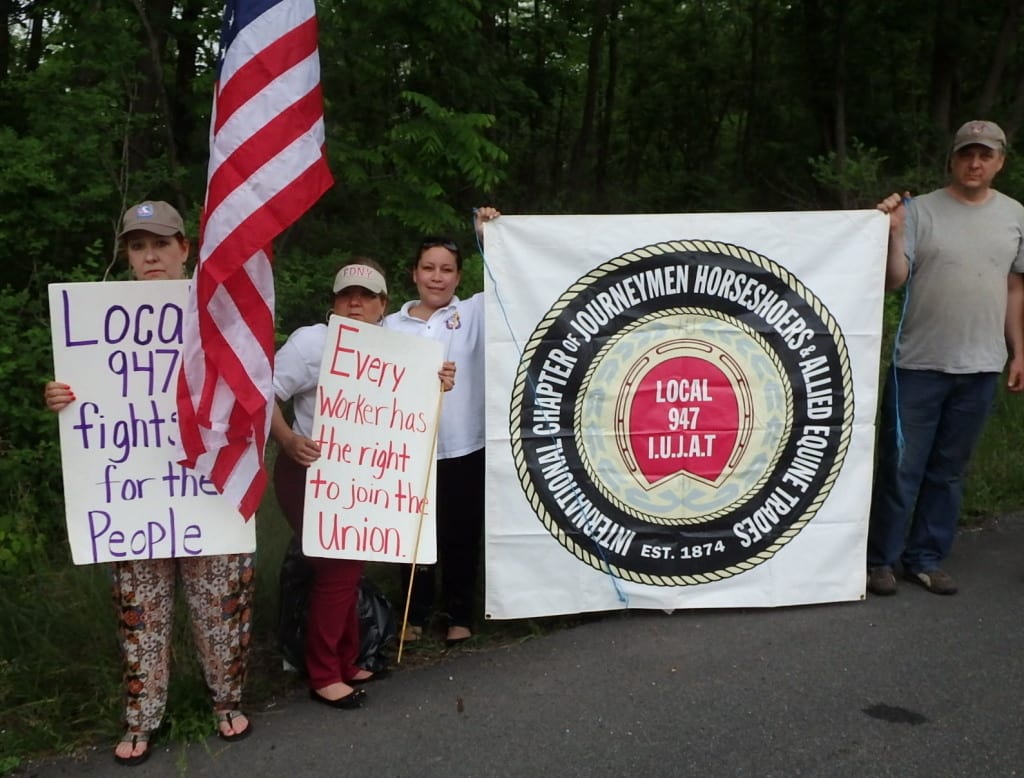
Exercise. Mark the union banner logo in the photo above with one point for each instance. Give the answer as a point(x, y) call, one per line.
point(684, 409)
point(681, 413)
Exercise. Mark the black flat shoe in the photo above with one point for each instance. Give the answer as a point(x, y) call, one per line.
point(350, 701)
point(377, 676)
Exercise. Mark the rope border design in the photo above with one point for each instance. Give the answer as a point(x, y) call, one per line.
point(519, 390)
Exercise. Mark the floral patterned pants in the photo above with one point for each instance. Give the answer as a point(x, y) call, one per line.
point(218, 591)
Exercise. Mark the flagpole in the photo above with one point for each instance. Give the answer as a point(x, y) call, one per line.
point(419, 526)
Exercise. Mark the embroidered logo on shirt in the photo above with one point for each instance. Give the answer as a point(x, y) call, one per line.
point(453, 322)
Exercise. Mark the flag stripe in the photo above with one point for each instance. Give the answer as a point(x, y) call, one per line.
point(280, 195)
point(280, 134)
point(267, 167)
point(275, 97)
point(261, 21)
point(257, 73)
point(215, 401)
point(246, 378)
point(295, 124)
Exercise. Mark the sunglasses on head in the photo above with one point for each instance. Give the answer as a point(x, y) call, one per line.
point(445, 243)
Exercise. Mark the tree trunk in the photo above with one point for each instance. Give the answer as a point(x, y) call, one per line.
point(556, 156)
point(152, 95)
point(604, 137)
point(182, 115)
point(748, 114)
point(945, 59)
point(1017, 112)
point(534, 157)
point(34, 54)
point(817, 68)
point(6, 11)
point(1008, 34)
point(581, 146)
point(839, 116)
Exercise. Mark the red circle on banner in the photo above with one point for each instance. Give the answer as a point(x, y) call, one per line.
point(684, 418)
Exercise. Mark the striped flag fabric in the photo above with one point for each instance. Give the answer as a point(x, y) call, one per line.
point(267, 167)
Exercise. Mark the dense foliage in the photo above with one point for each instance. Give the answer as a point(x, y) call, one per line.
point(569, 106)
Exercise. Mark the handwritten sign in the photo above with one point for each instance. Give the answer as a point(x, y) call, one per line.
point(118, 346)
point(376, 422)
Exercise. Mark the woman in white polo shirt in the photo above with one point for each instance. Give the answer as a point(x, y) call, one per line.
point(459, 325)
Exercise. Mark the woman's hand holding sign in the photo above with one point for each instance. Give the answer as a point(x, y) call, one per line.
point(447, 376)
point(303, 450)
point(57, 395)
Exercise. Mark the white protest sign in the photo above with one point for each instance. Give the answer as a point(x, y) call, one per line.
point(680, 409)
point(118, 346)
point(376, 418)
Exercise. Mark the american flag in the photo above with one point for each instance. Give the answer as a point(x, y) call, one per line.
point(267, 167)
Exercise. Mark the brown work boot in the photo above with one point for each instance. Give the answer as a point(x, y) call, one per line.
point(881, 581)
point(936, 581)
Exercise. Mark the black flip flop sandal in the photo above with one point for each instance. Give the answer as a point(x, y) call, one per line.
point(228, 717)
point(134, 738)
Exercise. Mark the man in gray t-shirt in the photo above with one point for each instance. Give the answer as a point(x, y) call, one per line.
point(960, 253)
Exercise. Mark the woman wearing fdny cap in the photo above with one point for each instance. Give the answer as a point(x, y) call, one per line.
point(332, 628)
point(459, 324)
point(153, 239)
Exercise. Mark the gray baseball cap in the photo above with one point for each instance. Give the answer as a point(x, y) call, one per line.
point(153, 216)
point(981, 132)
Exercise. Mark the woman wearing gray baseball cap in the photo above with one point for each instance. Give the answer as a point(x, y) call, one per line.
point(152, 239)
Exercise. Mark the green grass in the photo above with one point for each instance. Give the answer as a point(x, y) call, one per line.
point(59, 664)
point(996, 475)
point(59, 674)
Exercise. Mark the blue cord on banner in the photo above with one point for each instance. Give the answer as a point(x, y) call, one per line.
point(619, 591)
point(901, 442)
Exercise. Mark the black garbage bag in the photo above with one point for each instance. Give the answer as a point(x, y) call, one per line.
point(293, 605)
point(377, 627)
point(378, 631)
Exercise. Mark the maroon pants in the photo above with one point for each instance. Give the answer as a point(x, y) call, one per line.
point(332, 630)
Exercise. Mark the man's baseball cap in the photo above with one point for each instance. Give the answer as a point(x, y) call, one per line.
point(983, 133)
point(360, 275)
point(153, 216)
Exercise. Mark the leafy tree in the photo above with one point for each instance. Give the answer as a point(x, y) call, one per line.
point(431, 109)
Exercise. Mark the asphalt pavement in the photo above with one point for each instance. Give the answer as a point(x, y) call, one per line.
point(911, 685)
